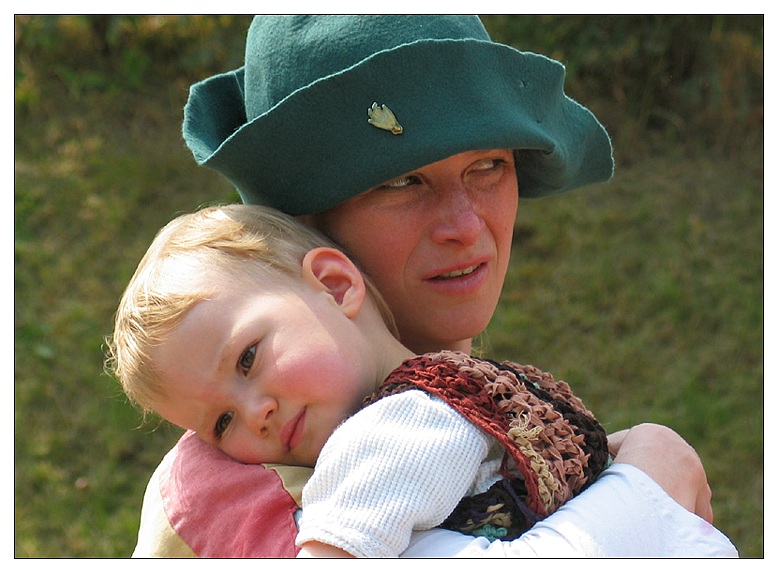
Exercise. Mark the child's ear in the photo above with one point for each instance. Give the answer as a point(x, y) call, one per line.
point(338, 275)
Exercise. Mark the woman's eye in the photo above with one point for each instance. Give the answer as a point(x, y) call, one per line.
point(488, 171)
point(222, 423)
point(401, 182)
point(487, 164)
point(247, 359)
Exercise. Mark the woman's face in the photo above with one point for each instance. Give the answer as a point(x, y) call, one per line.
point(437, 242)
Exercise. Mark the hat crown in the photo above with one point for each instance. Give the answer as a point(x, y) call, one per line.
point(286, 53)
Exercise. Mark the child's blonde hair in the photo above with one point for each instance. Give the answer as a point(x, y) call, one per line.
point(243, 241)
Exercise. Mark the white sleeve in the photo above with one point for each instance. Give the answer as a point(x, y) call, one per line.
point(623, 514)
point(401, 464)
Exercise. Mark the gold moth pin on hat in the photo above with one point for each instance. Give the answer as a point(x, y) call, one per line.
point(383, 118)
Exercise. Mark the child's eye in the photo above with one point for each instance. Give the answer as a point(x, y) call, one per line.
point(246, 360)
point(222, 423)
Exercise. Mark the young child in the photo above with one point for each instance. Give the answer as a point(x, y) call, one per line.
point(264, 338)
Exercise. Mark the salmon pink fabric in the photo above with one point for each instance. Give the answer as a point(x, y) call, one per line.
point(204, 493)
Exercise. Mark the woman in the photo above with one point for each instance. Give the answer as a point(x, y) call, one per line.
point(408, 140)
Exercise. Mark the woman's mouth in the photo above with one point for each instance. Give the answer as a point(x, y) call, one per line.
point(457, 273)
point(460, 280)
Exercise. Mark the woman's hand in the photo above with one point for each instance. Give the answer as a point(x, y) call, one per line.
point(669, 461)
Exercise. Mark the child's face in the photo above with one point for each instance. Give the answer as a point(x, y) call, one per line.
point(265, 373)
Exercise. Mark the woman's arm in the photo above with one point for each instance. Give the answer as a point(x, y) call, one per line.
point(668, 460)
point(623, 514)
point(643, 506)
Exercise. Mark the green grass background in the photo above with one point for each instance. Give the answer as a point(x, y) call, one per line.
point(645, 293)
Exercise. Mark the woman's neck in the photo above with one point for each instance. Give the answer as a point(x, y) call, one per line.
point(426, 346)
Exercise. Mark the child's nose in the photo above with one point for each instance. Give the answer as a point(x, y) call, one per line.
point(259, 413)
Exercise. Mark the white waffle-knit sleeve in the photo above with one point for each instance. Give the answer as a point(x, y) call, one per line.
point(399, 465)
point(623, 514)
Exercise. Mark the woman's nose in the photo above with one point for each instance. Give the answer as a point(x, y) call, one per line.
point(457, 219)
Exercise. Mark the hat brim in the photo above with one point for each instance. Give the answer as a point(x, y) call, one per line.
point(315, 149)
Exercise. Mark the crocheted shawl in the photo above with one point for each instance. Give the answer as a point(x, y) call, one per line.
point(554, 447)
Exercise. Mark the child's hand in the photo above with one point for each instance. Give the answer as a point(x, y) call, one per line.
point(669, 461)
point(316, 549)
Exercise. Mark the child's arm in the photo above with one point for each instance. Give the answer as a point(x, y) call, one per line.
point(401, 464)
point(322, 550)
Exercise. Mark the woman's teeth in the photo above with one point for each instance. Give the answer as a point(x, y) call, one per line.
point(458, 273)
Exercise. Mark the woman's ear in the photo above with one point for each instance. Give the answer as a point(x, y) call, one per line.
point(332, 271)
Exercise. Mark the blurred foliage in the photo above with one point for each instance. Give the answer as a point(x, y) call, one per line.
point(113, 53)
point(659, 271)
point(677, 77)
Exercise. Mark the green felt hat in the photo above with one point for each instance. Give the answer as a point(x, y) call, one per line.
point(327, 107)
